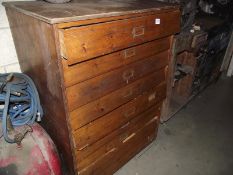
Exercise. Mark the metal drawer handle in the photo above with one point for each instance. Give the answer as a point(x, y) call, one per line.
point(127, 137)
point(152, 120)
point(129, 53)
point(138, 31)
point(152, 96)
point(127, 75)
point(130, 112)
point(125, 125)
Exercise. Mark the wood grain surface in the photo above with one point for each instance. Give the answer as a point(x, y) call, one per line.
point(97, 108)
point(100, 69)
point(85, 155)
point(77, 10)
point(94, 131)
point(126, 145)
point(35, 46)
point(80, 72)
point(79, 43)
point(87, 91)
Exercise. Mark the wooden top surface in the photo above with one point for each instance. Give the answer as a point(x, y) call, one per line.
point(86, 9)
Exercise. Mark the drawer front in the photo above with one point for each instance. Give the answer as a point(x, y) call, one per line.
point(85, 42)
point(85, 92)
point(119, 150)
point(95, 109)
point(86, 154)
point(99, 128)
point(80, 72)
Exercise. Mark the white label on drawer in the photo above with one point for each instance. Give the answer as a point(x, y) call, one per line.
point(157, 21)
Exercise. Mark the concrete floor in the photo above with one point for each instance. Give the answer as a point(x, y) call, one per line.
point(198, 140)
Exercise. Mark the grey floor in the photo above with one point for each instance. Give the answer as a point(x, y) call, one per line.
point(198, 140)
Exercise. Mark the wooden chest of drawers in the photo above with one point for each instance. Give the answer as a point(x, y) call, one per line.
point(100, 69)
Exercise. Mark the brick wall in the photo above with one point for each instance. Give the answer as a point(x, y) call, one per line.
point(8, 56)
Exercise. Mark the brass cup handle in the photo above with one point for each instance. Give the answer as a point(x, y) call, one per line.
point(129, 53)
point(138, 31)
point(127, 75)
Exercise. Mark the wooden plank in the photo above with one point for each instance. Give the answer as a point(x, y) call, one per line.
point(89, 69)
point(40, 62)
point(165, 114)
point(87, 10)
point(84, 156)
point(94, 131)
point(95, 109)
point(183, 87)
point(111, 18)
point(133, 146)
point(79, 43)
point(85, 92)
point(125, 149)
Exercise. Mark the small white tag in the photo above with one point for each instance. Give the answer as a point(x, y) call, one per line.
point(157, 21)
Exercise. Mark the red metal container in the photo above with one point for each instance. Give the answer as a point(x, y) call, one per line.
point(36, 155)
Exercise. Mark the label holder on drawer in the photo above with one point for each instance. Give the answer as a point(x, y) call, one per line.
point(138, 31)
point(127, 75)
point(129, 53)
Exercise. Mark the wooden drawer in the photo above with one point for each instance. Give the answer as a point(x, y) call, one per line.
point(105, 104)
point(79, 72)
point(85, 92)
point(85, 42)
point(120, 145)
point(133, 125)
point(94, 131)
